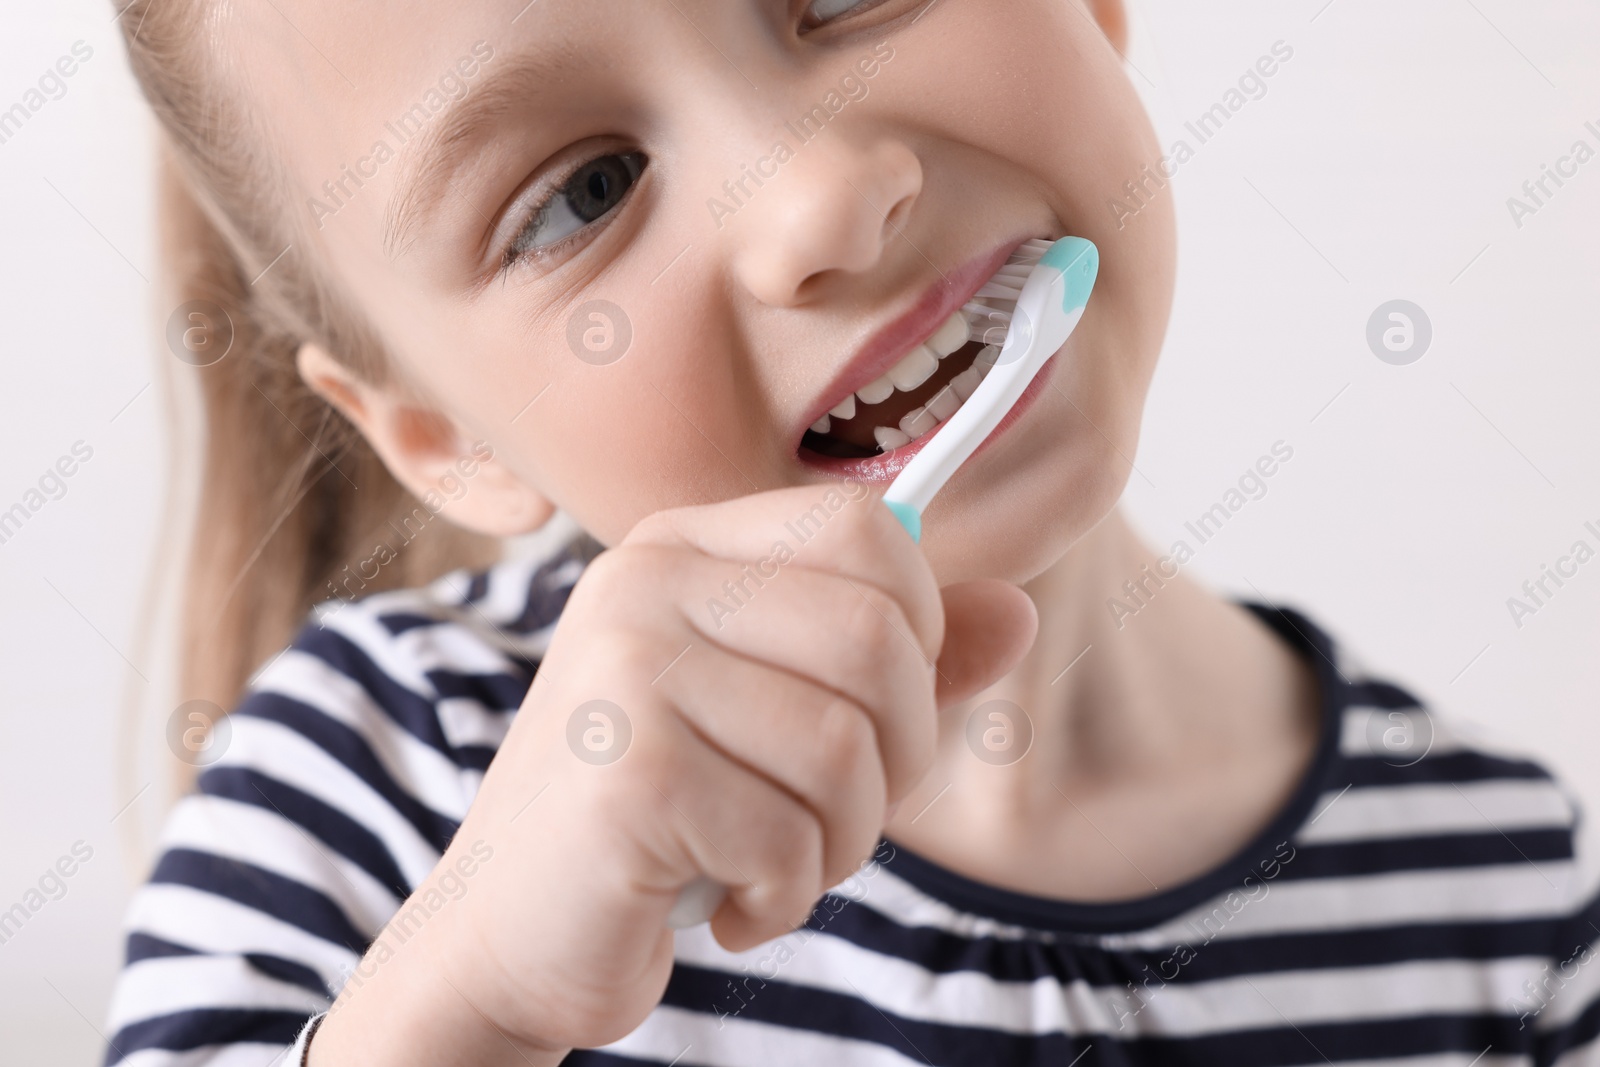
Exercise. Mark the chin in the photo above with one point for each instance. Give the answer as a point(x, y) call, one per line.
point(1016, 521)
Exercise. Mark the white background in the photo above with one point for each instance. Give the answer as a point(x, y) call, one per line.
point(1376, 166)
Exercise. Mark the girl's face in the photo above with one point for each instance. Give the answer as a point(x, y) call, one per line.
point(641, 247)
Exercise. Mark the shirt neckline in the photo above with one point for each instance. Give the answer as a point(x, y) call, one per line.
point(1066, 916)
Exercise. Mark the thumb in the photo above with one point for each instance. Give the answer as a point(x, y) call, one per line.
point(989, 625)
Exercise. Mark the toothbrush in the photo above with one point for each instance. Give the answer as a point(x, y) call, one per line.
point(1030, 307)
point(1049, 303)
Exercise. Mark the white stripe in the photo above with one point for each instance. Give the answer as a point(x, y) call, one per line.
point(415, 765)
point(1363, 728)
point(359, 625)
point(170, 984)
point(1436, 808)
point(261, 837)
point(1585, 1055)
point(468, 722)
point(209, 923)
point(669, 1034)
point(905, 904)
point(243, 1054)
point(453, 645)
point(293, 759)
point(1570, 985)
point(1324, 905)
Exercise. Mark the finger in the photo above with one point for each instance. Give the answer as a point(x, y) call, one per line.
point(852, 639)
point(840, 527)
point(818, 745)
point(989, 626)
point(680, 808)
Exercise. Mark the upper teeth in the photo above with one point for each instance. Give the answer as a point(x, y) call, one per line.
point(919, 364)
point(986, 318)
point(944, 403)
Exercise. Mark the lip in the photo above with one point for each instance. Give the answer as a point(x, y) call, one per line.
point(885, 467)
point(892, 343)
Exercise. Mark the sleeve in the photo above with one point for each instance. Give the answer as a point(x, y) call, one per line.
point(330, 794)
point(1562, 1002)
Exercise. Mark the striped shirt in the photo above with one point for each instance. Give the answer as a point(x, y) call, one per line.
point(1420, 899)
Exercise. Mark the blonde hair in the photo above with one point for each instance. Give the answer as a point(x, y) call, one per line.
point(289, 494)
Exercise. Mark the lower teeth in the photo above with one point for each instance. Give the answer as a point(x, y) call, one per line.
point(939, 408)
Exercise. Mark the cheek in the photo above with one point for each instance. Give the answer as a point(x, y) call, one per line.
point(611, 437)
point(1061, 76)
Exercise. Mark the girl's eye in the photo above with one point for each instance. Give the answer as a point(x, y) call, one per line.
point(591, 193)
point(821, 11)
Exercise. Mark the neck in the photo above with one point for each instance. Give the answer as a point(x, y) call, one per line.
point(1144, 694)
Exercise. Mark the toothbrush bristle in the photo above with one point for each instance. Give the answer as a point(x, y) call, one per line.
point(989, 311)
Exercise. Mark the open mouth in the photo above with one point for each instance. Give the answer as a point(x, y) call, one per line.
point(908, 402)
point(928, 384)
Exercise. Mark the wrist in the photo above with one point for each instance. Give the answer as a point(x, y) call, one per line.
point(401, 1006)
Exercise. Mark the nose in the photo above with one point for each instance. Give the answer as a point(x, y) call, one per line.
point(830, 211)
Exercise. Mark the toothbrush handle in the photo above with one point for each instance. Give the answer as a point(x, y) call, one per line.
point(909, 517)
point(697, 902)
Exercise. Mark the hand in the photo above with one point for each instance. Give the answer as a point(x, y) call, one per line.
point(768, 671)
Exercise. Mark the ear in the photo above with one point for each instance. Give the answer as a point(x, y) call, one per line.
point(427, 453)
point(1112, 16)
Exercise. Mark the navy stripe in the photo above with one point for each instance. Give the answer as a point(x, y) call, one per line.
point(409, 710)
point(186, 1030)
point(264, 891)
point(589, 1057)
point(326, 824)
point(1445, 767)
point(497, 692)
point(353, 750)
point(1197, 955)
point(1583, 1030)
point(547, 593)
point(1371, 693)
point(475, 757)
point(290, 971)
point(1436, 852)
point(1469, 1035)
point(149, 947)
point(399, 622)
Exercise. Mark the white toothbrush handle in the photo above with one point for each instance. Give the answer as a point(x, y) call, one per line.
point(697, 902)
point(1049, 309)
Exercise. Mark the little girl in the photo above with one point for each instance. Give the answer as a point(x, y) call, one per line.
point(684, 270)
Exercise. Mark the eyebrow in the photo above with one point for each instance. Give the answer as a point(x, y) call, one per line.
point(435, 153)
